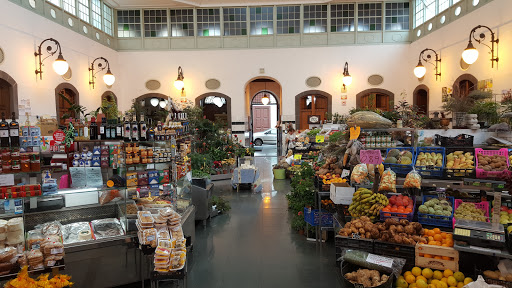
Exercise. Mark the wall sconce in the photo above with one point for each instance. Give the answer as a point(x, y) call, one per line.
point(470, 54)
point(108, 78)
point(420, 70)
point(163, 103)
point(179, 81)
point(60, 65)
point(347, 79)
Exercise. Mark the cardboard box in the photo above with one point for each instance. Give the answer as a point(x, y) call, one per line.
point(48, 126)
point(341, 194)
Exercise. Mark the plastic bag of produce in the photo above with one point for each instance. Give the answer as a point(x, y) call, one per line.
point(359, 174)
point(372, 261)
point(388, 181)
point(413, 180)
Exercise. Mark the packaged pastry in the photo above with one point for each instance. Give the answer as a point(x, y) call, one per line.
point(167, 212)
point(145, 218)
point(35, 259)
point(15, 224)
point(22, 259)
point(162, 270)
point(163, 234)
point(388, 181)
point(164, 243)
point(7, 254)
point(51, 228)
point(150, 237)
point(161, 260)
point(161, 251)
point(5, 268)
point(53, 248)
point(3, 236)
point(15, 237)
point(110, 195)
point(3, 226)
point(181, 243)
point(34, 239)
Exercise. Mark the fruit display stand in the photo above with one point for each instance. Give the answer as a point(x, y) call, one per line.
point(450, 257)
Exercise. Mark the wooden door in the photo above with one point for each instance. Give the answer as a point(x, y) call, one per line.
point(422, 101)
point(261, 118)
point(63, 105)
point(5, 98)
point(312, 105)
point(376, 101)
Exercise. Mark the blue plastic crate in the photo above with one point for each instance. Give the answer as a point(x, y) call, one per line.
point(436, 220)
point(430, 171)
point(400, 169)
point(312, 217)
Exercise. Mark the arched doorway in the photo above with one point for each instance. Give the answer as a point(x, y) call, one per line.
point(420, 99)
point(310, 103)
point(8, 95)
point(216, 107)
point(263, 120)
point(109, 96)
point(464, 84)
point(66, 96)
point(152, 105)
point(375, 99)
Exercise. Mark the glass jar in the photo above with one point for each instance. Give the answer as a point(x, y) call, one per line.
point(16, 166)
point(6, 154)
point(35, 162)
point(25, 163)
point(15, 153)
point(6, 166)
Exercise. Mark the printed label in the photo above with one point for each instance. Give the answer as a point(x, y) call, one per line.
point(4, 133)
point(379, 260)
point(51, 263)
point(14, 132)
point(56, 250)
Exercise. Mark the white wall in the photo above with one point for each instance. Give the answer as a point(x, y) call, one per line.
point(452, 39)
point(234, 68)
point(22, 31)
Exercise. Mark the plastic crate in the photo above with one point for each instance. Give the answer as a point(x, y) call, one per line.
point(408, 216)
point(463, 140)
point(484, 205)
point(407, 252)
point(400, 169)
point(488, 280)
point(430, 171)
point(480, 173)
point(459, 174)
point(436, 220)
point(312, 217)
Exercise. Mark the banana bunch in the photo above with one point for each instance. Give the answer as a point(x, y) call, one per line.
point(366, 203)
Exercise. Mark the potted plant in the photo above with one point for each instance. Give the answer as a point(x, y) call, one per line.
point(302, 195)
point(487, 111)
point(279, 172)
point(459, 105)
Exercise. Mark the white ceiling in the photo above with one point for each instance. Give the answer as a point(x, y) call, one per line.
point(208, 3)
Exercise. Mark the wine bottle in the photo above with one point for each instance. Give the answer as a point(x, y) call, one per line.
point(93, 130)
point(135, 128)
point(14, 132)
point(4, 132)
point(151, 131)
point(119, 129)
point(108, 131)
point(86, 129)
point(143, 129)
point(127, 129)
point(101, 134)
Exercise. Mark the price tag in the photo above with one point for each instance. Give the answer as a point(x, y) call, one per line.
point(354, 132)
point(320, 139)
point(370, 157)
point(356, 236)
point(6, 180)
point(59, 136)
point(497, 205)
point(345, 173)
point(18, 206)
point(297, 156)
point(379, 260)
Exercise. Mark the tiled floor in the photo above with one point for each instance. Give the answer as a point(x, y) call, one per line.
point(254, 246)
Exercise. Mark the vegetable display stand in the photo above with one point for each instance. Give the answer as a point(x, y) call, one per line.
point(481, 173)
point(452, 173)
point(409, 216)
point(432, 171)
point(400, 169)
point(449, 254)
point(312, 217)
point(433, 219)
point(406, 252)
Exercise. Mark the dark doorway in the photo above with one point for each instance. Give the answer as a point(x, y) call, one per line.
point(422, 101)
point(63, 111)
point(5, 97)
point(215, 109)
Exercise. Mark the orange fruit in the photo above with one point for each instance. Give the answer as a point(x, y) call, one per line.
point(446, 258)
point(437, 230)
point(445, 245)
point(428, 256)
point(444, 234)
point(438, 237)
point(430, 238)
point(449, 243)
point(447, 273)
point(438, 257)
point(425, 232)
point(449, 236)
point(431, 243)
point(410, 279)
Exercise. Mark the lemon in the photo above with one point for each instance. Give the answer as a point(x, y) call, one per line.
point(420, 283)
point(416, 271)
point(452, 281)
point(427, 273)
point(445, 280)
point(413, 285)
point(460, 284)
point(432, 286)
point(410, 279)
point(458, 276)
point(442, 285)
point(438, 275)
point(435, 282)
point(400, 283)
point(447, 273)
point(467, 280)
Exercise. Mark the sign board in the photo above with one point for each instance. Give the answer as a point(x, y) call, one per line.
point(6, 180)
point(379, 260)
point(94, 177)
point(497, 207)
point(320, 139)
point(59, 136)
point(354, 132)
point(297, 156)
point(370, 157)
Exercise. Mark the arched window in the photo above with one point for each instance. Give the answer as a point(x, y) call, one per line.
point(66, 96)
point(216, 106)
point(375, 99)
point(464, 84)
point(8, 95)
point(420, 99)
point(109, 96)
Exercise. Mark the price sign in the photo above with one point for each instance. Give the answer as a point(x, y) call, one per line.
point(356, 236)
point(379, 260)
point(297, 156)
point(370, 157)
point(59, 135)
point(320, 139)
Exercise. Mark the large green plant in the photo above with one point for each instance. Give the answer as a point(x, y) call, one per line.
point(302, 194)
point(487, 111)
